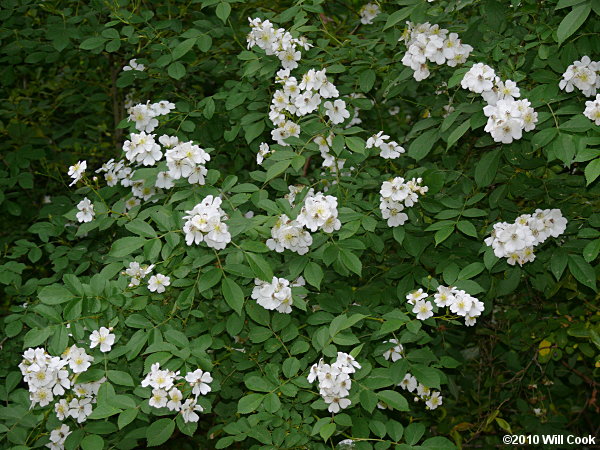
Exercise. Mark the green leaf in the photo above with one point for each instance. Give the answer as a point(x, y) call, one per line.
point(92, 442)
point(486, 168)
point(313, 274)
point(591, 250)
point(204, 42)
point(121, 378)
point(426, 375)
point(256, 383)
point(141, 228)
point(92, 43)
point(558, 262)
point(327, 431)
point(582, 271)
point(397, 16)
point(126, 417)
point(290, 367)
point(458, 132)
point(468, 228)
point(355, 144)
point(421, 146)
point(160, 431)
point(176, 70)
point(413, 433)
point(249, 403)
point(223, 11)
point(470, 271)
point(592, 171)
point(183, 47)
point(351, 261)
point(393, 399)
point(572, 21)
point(442, 234)
point(259, 266)
point(55, 295)
point(126, 246)
point(438, 443)
point(233, 295)
point(277, 168)
point(366, 80)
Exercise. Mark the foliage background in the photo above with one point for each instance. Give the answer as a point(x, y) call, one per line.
point(537, 345)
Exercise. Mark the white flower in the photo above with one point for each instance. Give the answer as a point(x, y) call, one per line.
point(592, 109)
point(415, 296)
point(336, 111)
point(76, 171)
point(394, 352)
point(188, 410)
point(368, 12)
point(162, 108)
point(79, 409)
point(262, 152)
point(58, 437)
point(102, 337)
point(175, 397)
point(79, 361)
point(158, 283)
point(434, 401)
point(199, 381)
point(158, 399)
point(62, 409)
point(409, 383)
point(423, 309)
point(134, 65)
point(86, 211)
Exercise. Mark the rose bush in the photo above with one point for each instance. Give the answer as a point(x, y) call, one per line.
point(304, 224)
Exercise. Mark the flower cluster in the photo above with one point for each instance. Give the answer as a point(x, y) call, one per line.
point(457, 300)
point(115, 172)
point(276, 295)
point(289, 234)
point(368, 12)
point(205, 223)
point(516, 241)
point(507, 117)
point(142, 149)
point(583, 75)
point(276, 42)
point(427, 42)
point(186, 160)
point(86, 210)
point(334, 380)
point(48, 376)
point(387, 150)
point(432, 399)
point(166, 393)
point(592, 109)
point(397, 194)
point(144, 115)
point(302, 98)
point(319, 211)
point(45, 375)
